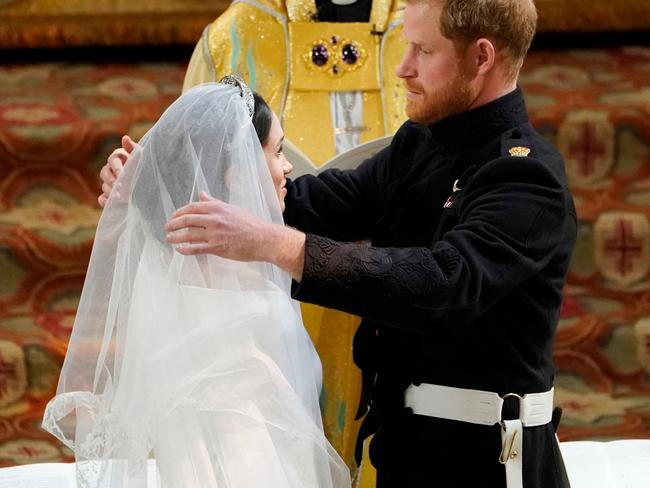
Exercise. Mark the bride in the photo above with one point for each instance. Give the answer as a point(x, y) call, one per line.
point(200, 362)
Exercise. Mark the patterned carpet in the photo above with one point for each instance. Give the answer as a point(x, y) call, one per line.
point(595, 106)
point(59, 121)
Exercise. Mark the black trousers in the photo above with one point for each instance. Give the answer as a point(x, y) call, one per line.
point(416, 451)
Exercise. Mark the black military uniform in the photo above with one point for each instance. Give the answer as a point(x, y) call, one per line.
point(471, 228)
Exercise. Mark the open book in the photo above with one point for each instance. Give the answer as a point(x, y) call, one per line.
point(350, 159)
point(613, 464)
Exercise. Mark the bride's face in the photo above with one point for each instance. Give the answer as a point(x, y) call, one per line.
point(278, 164)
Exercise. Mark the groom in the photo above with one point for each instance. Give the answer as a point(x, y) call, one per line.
point(471, 226)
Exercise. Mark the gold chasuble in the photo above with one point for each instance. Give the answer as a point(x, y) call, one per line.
point(296, 64)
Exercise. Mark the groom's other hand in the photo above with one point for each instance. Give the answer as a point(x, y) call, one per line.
point(111, 170)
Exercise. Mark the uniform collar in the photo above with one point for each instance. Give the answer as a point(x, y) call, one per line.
point(482, 124)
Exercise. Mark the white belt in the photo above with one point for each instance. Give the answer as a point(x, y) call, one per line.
point(484, 407)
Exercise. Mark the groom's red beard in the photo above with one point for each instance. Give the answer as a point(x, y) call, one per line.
point(454, 97)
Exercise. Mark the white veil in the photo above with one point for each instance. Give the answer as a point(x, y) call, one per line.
point(200, 362)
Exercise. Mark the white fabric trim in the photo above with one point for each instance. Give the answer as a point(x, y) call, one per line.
point(392, 25)
point(346, 109)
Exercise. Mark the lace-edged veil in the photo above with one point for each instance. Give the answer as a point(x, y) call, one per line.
point(200, 362)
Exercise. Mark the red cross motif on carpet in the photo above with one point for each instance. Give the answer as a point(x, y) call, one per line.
point(586, 149)
point(22, 451)
point(27, 451)
point(622, 247)
point(586, 138)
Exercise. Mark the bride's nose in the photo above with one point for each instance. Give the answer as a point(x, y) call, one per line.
point(287, 167)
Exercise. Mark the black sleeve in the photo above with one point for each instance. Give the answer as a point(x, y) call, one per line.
point(339, 204)
point(511, 221)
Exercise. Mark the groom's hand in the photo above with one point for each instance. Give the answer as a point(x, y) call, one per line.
point(113, 167)
point(211, 226)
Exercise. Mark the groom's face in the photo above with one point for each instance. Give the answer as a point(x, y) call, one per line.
point(437, 86)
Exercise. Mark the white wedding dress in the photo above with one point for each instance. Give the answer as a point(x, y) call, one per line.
point(200, 362)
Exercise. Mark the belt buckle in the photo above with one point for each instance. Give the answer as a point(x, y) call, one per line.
point(507, 451)
point(509, 395)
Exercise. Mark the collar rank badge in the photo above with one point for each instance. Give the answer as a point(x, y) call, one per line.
point(519, 151)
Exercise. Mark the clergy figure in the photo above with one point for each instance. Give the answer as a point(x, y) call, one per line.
point(328, 69)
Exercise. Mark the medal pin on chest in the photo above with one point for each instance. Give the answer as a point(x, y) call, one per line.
point(516, 151)
point(450, 201)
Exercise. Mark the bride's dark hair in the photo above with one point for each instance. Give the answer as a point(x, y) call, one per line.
point(191, 126)
point(262, 118)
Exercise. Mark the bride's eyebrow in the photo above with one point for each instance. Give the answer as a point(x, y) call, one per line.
point(279, 144)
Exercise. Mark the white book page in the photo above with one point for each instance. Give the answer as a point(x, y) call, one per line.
point(354, 157)
point(49, 475)
point(630, 462)
point(587, 464)
point(350, 159)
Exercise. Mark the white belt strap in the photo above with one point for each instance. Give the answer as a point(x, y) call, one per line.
point(512, 452)
point(484, 408)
